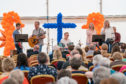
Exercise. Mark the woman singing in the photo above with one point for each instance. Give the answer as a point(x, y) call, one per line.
point(90, 32)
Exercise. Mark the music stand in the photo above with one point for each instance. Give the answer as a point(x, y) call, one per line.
point(21, 38)
point(98, 38)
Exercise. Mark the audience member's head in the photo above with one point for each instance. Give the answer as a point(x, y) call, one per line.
point(81, 52)
point(124, 54)
point(96, 52)
point(86, 49)
point(96, 59)
point(115, 48)
point(22, 60)
point(70, 48)
point(10, 81)
point(57, 54)
point(1, 64)
point(18, 75)
point(75, 63)
point(64, 73)
point(104, 62)
point(42, 58)
point(73, 52)
point(91, 47)
point(66, 35)
point(100, 74)
point(104, 47)
point(120, 77)
point(117, 56)
point(8, 65)
point(66, 80)
point(36, 48)
point(109, 81)
point(123, 47)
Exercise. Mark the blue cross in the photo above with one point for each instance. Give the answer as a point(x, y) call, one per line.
point(59, 25)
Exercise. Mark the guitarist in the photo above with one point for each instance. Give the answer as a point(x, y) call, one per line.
point(40, 33)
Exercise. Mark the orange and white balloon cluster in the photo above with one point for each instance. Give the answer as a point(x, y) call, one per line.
point(97, 19)
point(7, 23)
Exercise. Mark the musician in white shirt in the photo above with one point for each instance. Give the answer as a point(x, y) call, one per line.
point(66, 39)
point(108, 31)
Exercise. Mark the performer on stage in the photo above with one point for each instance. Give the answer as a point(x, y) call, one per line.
point(66, 39)
point(90, 32)
point(108, 31)
point(40, 33)
point(17, 44)
point(117, 36)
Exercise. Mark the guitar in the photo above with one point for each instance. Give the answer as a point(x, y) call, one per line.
point(34, 40)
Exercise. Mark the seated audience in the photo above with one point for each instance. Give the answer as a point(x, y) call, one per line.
point(117, 59)
point(115, 48)
point(7, 66)
point(104, 50)
point(42, 68)
point(22, 63)
point(120, 77)
point(124, 57)
point(75, 64)
point(100, 74)
point(81, 53)
point(1, 64)
point(91, 50)
point(73, 54)
point(57, 54)
point(109, 81)
point(96, 52)
point(123, 47)
point(10, 81)
point(96, 60)
point(66, 80)
point(18, 75)
point(64, 73)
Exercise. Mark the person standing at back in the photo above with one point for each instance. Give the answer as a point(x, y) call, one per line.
point(40, 33)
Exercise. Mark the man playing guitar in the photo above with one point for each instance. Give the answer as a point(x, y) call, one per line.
point(39, 33)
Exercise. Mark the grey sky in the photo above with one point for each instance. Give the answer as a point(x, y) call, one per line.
point(67, 7)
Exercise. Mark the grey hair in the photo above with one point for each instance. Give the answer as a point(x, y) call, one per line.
point(97, 58)
point(104, 62)
point(120, 77)
point(73, 52)
point(17, 75)
point(66, 80)
point(100, 74)
point(10, 81)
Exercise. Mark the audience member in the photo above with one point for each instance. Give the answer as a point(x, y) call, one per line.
point(99, 74)
point(66, 80)
point(22, 63)
point(91, 50)
point(120, 77)
point(117, 59)
point(115, 48)
point(10, 81)
point(42, 68)
point(7, 66)
point(64, 73)
point(109, 81)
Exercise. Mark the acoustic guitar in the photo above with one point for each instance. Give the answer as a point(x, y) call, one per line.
point(33, 41)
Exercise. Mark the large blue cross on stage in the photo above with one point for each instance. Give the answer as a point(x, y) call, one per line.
point(59, 25)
